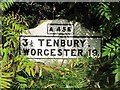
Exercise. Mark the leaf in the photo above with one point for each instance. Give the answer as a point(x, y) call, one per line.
point(117, 74)
point(48, 68)
point(42, 21)
point(15, 45)
point(104, 10)
point(1, 51)
point(117, 77)
point(6, 79)
point(7, 75)
point(20, 66)
point(21, 78)
point(50, 85)
point(5, 57)
point(6, 44)
point(6, 5)
point(117, 21)
point(31, 83)
point(40, 73)
point(27, 69)
point(67, 69)
point(107, 16)
point(33, 72)
point(106, 52)
point(5, 84)
point(110, 45)
point(23, 86)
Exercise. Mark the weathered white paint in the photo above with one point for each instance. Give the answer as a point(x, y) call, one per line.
point(41, 30)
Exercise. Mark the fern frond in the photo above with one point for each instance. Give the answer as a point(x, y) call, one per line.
point(5, 4)
point(6, 80)
point(112, 49)
point(104, 11)
point(14, 22)
point(12, 25)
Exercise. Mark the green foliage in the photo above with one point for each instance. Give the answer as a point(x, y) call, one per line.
point(6, 80)
point(109, 16)
point(112, 50)
point(104, 10)
point(85, 73)
point(74, 75)
point(12, 63)
point(11, 69)
point(11, 29)
point(104, 13)
point(116, 66)
point(5, 4)
point(117, 22)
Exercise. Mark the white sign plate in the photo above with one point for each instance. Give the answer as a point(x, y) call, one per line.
point(58, 40)
point(59, 47)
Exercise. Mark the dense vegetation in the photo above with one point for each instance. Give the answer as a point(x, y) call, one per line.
point(86, 73)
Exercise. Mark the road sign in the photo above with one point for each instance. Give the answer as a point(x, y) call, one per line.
point(60, 39)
